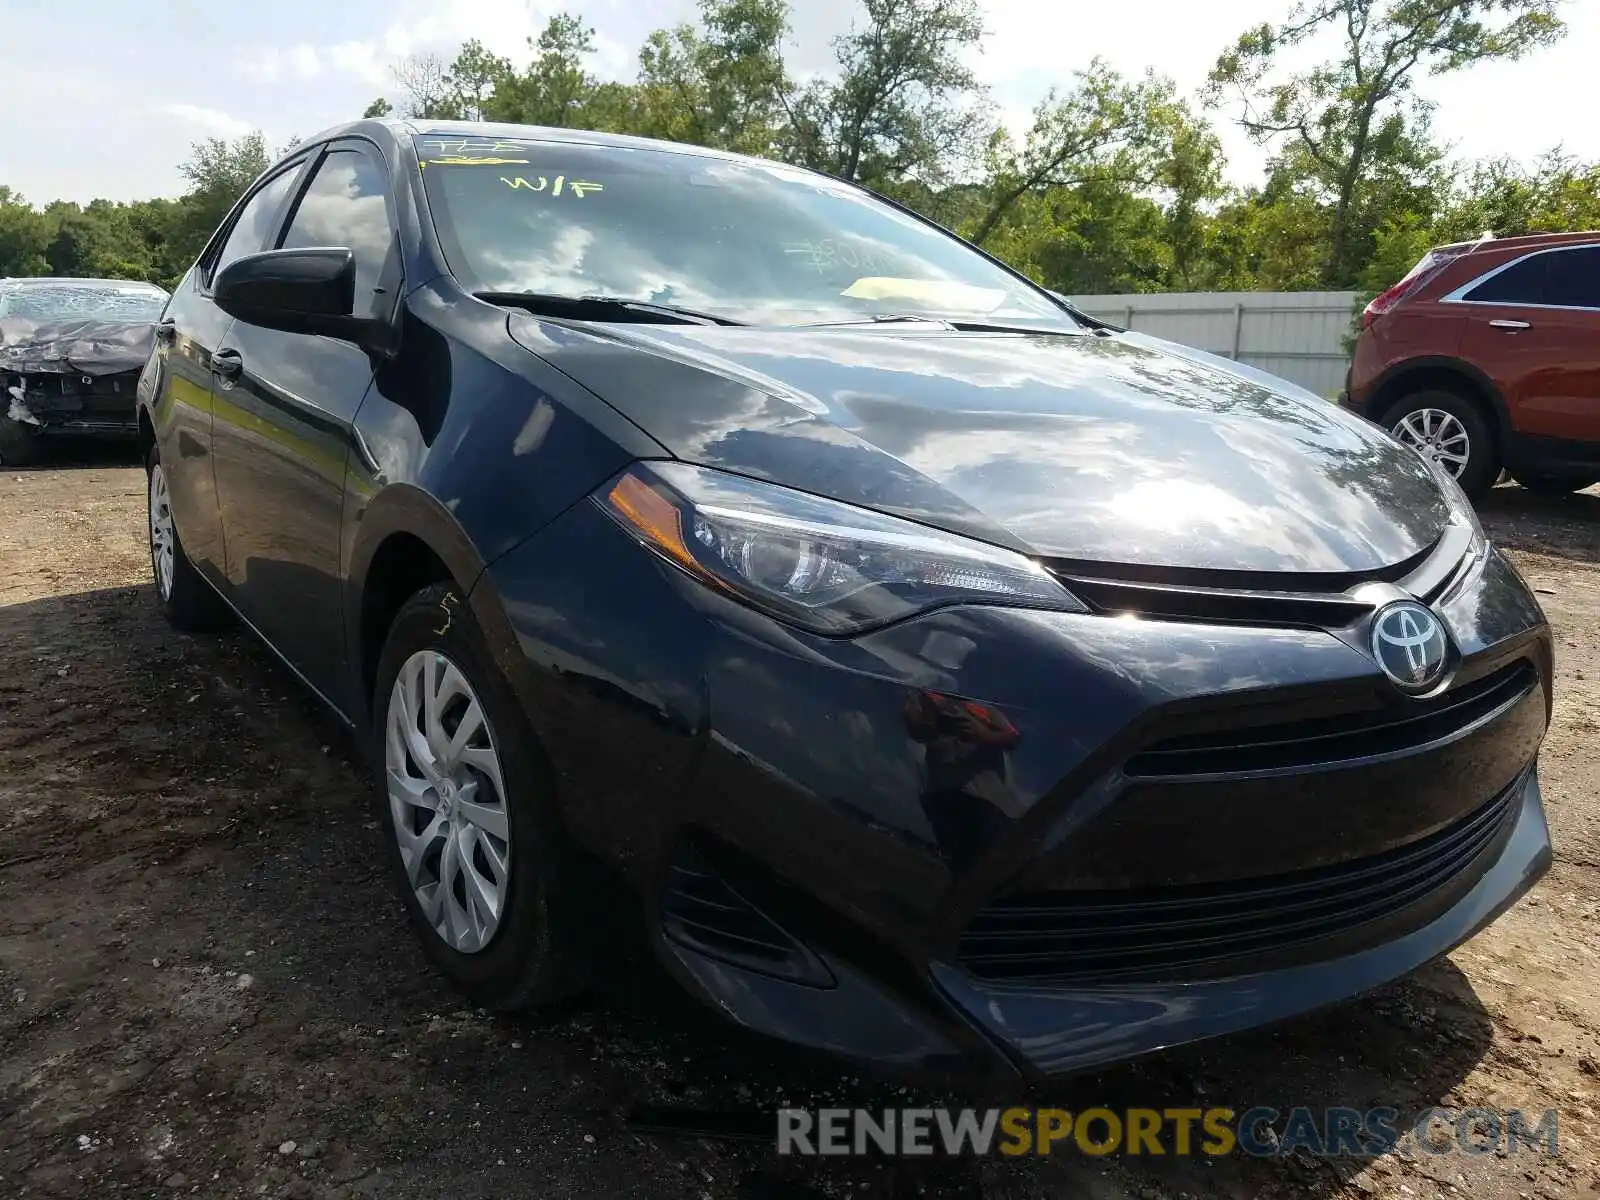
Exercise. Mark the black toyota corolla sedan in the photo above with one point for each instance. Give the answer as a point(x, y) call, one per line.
point(959, 684)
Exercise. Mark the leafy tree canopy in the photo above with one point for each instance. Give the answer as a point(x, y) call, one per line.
point(1116, 184)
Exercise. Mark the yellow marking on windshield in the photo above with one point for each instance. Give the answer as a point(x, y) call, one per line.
point(575, 187)
point(462, 160)
point(449, 146)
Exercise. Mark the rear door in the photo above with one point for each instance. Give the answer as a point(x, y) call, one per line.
point(180, 371)
point(283, 427)
point(1533, 326)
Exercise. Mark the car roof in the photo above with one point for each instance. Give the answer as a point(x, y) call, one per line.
point(1526, 241)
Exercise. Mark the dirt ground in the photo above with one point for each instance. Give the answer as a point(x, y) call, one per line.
point(207, 988)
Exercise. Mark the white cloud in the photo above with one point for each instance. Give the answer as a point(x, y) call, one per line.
point(300, 61)
point(505, 27)
point(213, 120)
point(438, 26)
point(361, 60)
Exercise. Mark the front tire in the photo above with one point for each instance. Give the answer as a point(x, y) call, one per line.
point(186, 600)
point(1452, 431)
point(477, 850)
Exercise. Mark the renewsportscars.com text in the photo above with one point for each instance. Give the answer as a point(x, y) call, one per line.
point(1261, 1131)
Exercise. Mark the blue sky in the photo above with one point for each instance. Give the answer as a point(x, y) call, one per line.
point(104, 97)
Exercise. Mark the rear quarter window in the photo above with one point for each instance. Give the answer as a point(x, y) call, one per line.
point(1561, 278)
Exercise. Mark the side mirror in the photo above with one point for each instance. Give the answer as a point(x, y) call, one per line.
point(310, 290)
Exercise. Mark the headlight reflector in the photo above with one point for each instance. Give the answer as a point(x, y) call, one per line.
point(826, 566)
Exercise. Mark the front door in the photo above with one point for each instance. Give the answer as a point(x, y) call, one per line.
point(1534, 327)
point(284, 412)
point(182, 370)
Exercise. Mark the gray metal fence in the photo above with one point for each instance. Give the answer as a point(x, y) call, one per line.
point(1298, 335)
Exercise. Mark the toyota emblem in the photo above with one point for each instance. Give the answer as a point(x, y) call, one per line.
point(1410, 644)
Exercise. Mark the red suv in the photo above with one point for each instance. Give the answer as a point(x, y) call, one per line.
point(1487, 357)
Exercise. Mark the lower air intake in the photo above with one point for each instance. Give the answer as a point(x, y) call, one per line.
point(702, 911)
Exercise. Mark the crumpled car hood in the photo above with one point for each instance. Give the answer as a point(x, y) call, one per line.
point(82, 347)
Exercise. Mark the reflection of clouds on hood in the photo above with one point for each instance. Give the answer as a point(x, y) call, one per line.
point(1091, 449)
point(1174, 504)
point(1077, 446)
point(980, 360)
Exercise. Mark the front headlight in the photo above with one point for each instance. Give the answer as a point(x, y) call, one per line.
point(828, 567)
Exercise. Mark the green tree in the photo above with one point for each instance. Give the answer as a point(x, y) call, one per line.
point(904, 104)
point(23, 237)
point(1341, 121)
point(1271, 238)
point(218, 172)
point(1190, 179)
point(1555, 192)
point(473, 77)
point(429, 93)
point(722, 84)
point(557, 86)
point(1101, 128)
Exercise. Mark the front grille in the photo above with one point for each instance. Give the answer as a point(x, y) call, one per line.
point(1306, 600)
point(1345, 738)
point(702, 911)
point(1188, 932)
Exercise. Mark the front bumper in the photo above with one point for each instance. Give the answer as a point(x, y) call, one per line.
point(818, 826)
point(65, 403)
point(970, 1027)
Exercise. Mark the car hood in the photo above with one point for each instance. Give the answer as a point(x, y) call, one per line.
point(79, 347)
point(1074, 446)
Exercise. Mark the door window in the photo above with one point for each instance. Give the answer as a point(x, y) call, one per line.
point(345, 206)
point(256, 220)
point(1563, 278)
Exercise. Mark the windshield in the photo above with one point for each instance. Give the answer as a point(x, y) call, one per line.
point(755, 242)
point(81, 301)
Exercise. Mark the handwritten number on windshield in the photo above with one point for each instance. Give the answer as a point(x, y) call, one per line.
point(827, 252)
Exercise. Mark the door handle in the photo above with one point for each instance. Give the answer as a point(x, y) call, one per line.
point(227, 363)
point(1512, 326)
point(167, 332)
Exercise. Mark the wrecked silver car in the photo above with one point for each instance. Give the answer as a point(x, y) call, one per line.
point(70, 355)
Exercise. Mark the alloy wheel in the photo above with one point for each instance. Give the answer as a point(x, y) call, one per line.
point(1437, 435)
point(447, 800)
point(161, 541)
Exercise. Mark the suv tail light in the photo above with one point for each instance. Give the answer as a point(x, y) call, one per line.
point(1429, 265)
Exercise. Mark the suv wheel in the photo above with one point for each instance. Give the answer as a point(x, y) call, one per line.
point(187, 600)
point(1554, 485)
point(1451, 431)
point(476, 848)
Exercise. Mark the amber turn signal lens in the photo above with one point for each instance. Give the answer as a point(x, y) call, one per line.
point(653, 517)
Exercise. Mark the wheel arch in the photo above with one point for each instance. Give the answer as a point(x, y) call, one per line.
point(405, 541)
point(1445, 374)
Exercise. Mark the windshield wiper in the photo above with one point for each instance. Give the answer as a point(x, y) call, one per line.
point(882, 319)
point(600, 308)
point(958, 324)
